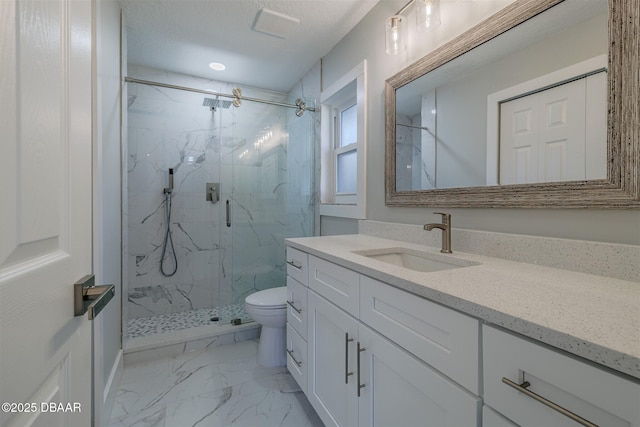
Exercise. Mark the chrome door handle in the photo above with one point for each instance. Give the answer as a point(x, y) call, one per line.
point(347, 340)
point(360, 350)
point(294, 307)
point(522, 388)
point(290, 352)
point(294, 265)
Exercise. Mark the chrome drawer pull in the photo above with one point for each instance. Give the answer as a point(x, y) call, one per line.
point(360, 350)
point(294, 265)
point(347, 340)
point(298, 310)
point(290, 352)
point(567, 413)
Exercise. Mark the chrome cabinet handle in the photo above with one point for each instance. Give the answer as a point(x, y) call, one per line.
point(228, 214)
point(522, 388)
point(360, 350)
point(298, 310)
point(347, 340)
point(290, 352)
point(294, 265)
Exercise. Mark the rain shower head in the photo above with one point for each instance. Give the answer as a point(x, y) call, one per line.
point(215, 103)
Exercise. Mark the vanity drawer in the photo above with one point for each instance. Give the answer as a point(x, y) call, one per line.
point(297, 265)
point(491, 418)
point(601, 397)
point(443, 338)
point(297, 306)
point(297, 357)
point(337, 284)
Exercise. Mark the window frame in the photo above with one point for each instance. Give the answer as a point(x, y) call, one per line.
point(339, 149)
point(346, 92)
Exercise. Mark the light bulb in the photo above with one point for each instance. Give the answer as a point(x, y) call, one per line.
point(427, 14)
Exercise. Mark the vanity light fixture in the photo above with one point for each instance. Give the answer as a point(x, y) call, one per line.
point(395, 35)
point(427, 14)
point(427, 18)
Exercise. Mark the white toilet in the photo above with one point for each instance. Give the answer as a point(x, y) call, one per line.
point(269, 308)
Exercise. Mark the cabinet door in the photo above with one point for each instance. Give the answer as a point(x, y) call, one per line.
point(400, 390)
point(331, 391)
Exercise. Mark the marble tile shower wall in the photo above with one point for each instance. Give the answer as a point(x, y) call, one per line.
point(170, 129)
point(245, 150)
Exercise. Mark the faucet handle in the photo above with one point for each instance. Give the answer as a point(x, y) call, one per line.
point(446, 217)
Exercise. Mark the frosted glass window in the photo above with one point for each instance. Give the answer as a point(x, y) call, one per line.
point(349, 126)
point(347, 168)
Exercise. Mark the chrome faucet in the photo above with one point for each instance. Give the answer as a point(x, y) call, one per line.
point(445, 226)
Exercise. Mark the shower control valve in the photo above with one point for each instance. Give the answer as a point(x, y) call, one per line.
point(213, 192)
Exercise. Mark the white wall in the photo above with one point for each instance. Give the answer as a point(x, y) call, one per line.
point(366, 41)
point(106, 240)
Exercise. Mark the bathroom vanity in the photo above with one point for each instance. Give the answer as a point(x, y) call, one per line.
point(383, 332)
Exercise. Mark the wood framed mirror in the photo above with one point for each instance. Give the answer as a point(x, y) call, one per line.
point(615, 183)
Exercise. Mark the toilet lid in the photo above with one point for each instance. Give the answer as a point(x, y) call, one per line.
point(269, 297)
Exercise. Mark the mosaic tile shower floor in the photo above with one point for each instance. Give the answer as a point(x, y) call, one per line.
point(146, 326)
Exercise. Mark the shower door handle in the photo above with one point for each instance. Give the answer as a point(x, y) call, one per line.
point(228, 214)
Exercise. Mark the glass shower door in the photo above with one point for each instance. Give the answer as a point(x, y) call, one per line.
point(271, 170)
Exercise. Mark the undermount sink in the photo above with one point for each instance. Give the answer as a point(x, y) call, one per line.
point(415, 260)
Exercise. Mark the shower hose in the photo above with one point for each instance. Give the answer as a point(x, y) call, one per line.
point(168, 241)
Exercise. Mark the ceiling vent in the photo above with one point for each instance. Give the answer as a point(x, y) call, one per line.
point(274, 23)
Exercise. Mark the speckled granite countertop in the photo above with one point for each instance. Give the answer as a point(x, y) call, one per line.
point(594, 317)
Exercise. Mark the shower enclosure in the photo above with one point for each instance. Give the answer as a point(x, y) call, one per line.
point(242, 182)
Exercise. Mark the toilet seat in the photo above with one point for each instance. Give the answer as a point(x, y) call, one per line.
point(274, 298)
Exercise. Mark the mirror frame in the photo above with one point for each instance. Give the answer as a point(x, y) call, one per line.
point(620, 190)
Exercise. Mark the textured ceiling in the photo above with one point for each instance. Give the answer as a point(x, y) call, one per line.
point(186, 35)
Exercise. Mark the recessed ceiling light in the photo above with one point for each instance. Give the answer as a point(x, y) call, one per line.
point(218, 66)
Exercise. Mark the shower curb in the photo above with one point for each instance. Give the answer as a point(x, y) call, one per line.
point(174, 343)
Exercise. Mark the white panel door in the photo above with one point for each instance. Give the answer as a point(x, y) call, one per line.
point(542, 136)
point(562, 151)
point(45, 211)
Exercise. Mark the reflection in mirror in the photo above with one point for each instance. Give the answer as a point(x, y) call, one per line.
point(529, 106)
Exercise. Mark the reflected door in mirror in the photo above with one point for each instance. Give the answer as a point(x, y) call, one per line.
point(543, 135)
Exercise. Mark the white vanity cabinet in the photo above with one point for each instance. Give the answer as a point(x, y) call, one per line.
point(358, 377)
point(377, 355)
point(297, 277)
point(589, 392)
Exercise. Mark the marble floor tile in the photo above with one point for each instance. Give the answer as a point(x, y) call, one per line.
point(223, 386)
